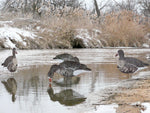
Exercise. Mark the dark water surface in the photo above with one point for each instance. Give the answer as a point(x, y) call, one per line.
point(28, 91)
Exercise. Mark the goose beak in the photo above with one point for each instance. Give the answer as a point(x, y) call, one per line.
point(54, 58)
point(50, 79)
point(88, 69)
point(50, 85)
point(116, 55)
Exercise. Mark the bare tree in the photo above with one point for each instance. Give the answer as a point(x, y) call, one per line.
point(126, 5)
point(145, 7)
point(40, 7)
point(63, 3)
point(96, 8)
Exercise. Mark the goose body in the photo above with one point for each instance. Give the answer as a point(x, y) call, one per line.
point(11, 61)
point(67, 68)
point(126, 67)
point(66, 57)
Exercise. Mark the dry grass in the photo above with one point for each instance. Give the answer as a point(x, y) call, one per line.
point(64, 28)
point(120, 29)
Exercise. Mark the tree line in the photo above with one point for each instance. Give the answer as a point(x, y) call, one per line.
point(42, 7)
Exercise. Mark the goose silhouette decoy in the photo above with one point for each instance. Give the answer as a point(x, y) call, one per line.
point(67, 69)
point(11, 61)
point(128, 64)
point(66, 57)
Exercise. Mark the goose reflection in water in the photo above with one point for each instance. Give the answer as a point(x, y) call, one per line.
point(11, 87)
point(66, 81)
point(66, 97)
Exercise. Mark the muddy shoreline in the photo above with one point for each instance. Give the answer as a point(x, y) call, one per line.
point(128, 95)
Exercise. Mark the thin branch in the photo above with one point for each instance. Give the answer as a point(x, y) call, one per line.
point(104, 5)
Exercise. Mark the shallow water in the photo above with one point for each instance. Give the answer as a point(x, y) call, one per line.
point(28, 89)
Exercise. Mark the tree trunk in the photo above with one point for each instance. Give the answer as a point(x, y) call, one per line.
point(96, 8)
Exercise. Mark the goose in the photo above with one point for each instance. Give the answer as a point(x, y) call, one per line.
point(67, 69)
point(11, 61)
point(128, 64)
point(66, 57)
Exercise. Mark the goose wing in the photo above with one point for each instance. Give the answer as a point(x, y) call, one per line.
point(70, 65)
point(7, 61)
point(128, 68)
point(135, 62)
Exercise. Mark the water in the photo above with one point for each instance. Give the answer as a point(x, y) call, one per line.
point(28, 91)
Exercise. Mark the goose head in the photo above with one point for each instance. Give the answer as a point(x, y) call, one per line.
point(51, 72)
point(14, 51)
point(120, 53)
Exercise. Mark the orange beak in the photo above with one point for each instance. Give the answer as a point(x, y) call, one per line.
point(50, 85)
point(50, 79)
point(116, 55)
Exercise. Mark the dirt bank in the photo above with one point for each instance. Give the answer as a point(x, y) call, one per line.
point(130, 98)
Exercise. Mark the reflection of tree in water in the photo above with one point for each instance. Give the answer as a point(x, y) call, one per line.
point(67, 81)
point(34, 83)
point(66, 97)
point(34, 80)
point(11, 87)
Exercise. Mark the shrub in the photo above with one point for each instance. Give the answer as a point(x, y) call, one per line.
point(121, 29)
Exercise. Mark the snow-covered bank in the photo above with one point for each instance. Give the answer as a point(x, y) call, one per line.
point(30, 34)
point(89, 38)
point(11, 37)
point(25, 33)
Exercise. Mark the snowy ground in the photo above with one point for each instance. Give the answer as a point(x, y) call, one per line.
point(105, 109)
point(147, 106)
point(112, 108)
point(12, 35)
point(7, 34)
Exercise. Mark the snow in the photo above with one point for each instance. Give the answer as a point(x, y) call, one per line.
point(147, 106)
point(8, 44)
point(105, 109)
point(6, 22)
point(15, 32)
point(87, 36)
point(7, 34)
point(83, 34)
point(10, 35)
point(111, 108)
point(145, 45)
